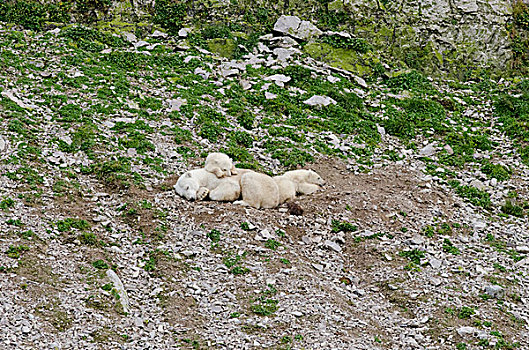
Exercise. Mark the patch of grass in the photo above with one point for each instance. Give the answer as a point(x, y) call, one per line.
point(497, 171)
point(472, 194)
point(214, 235)
point(100, 265)
point(465, 312)
point(355, 44)
point(272, 244)
point(409, 81)
point(448, 247)
point(15, 252)
point(414, 255)
point(88, 238)
point(344, 226)
point(71, 223)
point(7, 203)
point(511, 208)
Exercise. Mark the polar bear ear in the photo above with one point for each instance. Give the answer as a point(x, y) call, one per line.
point(188, 174)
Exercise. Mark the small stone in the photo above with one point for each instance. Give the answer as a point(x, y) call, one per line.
point(26, 329)
point(318, 267)
point(297, 313)
point(436, 282)
point(494, 291)
point(466, 332)
point(428, 150)
point(522, 249)
point(332, 245)
point(479, 225)
point(45, 74)
point(131, 38)
point(478, 184)
point(360, 82)
point(3, 144)
point(158, 34)
point(216, 309)
point(448, 149)
point(435, 263)
point(278, 79)
point(318, 100)
point(269, 95)
point(184, 32)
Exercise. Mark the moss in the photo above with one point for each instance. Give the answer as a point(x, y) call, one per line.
point(223, 47)
point(339, 57)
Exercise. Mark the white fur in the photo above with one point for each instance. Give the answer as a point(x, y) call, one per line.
point(220, 164)
point(305, 181)
point(259, 191)
point(263, 191)
point(197, 184)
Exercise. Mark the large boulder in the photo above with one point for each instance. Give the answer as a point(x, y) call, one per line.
point(295, 27)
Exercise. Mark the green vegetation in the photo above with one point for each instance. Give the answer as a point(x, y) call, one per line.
point(472, 194)
point(337, 226)
point(71, 223)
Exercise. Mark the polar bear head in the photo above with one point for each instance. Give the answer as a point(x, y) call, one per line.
point(220, 164)
point(187, 186)
point(313, 177)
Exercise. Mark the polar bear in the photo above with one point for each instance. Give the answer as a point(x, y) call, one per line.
point(197, 184)
point(220, 164)
point(262, 191)
point(305, 181)
point(258, 191)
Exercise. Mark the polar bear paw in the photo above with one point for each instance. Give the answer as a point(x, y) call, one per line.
point(202, 193)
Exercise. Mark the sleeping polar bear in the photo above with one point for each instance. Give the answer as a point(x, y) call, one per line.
point(197, 184)
point(220, 164)
point(263, 191)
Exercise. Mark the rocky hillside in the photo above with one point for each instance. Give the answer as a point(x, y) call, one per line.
point(419, 239)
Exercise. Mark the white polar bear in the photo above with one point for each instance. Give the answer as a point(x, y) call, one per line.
point(198, 183)
point(305, 181)
point(220, 164)
point(263, 191)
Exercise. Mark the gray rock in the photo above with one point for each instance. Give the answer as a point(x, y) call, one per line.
point(184, 32)
point(478, 184)
point(118, 285)
point(269, 95)
point(131, 38)
point(448, 149)
point(307, 30)
point(495, 291)
point(158, 34)
point(318, 100)
point(278, 79)
point(216, 309)
point(435, 263)
point(428, 150)
point(295, 27)
point(318, 267)
point(3, 144)
point(287, 24)
point(520, 249)
point(467, 332)
point(174, 105)
point(360, 82)
point(332, 245)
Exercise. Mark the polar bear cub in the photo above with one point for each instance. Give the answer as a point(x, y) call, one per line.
point(263, 191)
point(305, 181)
point(220, 164)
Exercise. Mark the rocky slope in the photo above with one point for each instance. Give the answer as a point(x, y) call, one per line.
point(419, 240)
